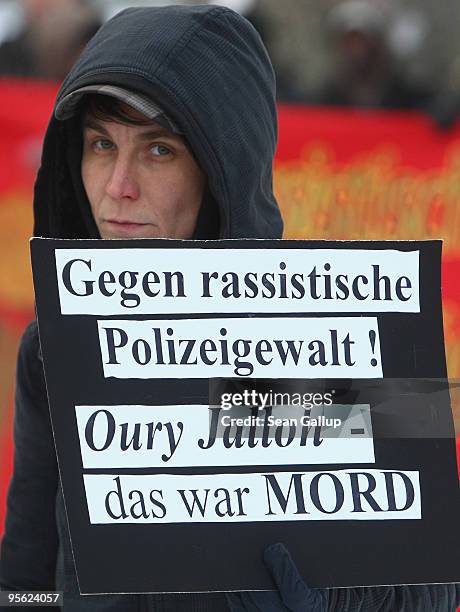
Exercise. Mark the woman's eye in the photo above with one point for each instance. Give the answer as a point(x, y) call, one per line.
point(160, 150)
point(103, 145)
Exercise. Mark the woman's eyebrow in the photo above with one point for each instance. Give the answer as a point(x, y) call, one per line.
point(157, 133)
point(149, 134)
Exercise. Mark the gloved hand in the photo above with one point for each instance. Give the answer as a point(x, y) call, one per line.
point(293, 594)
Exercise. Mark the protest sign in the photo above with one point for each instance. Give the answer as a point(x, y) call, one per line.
point(210, 398)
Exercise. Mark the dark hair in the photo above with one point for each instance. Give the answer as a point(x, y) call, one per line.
point(107, 108)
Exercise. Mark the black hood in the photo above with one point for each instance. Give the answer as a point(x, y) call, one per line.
point(208, 69)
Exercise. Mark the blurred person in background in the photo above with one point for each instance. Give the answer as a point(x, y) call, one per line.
point(366, 71)
point(446, 105)
point(43, 38)
point(367, 53)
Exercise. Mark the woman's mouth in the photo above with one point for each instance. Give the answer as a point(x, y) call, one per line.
point(124, 227)
point(125, 222)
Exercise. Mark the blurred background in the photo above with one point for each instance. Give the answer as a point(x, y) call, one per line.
point(369, 95)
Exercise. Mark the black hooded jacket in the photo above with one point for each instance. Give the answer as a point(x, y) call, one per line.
point(207, 68)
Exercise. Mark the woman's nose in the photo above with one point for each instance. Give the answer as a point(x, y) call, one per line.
point(122, 182)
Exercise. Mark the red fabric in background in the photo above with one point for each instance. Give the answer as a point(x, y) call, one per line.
point(24, 113)
point(350, 133)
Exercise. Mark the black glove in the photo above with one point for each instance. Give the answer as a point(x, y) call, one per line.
point(293, 594)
